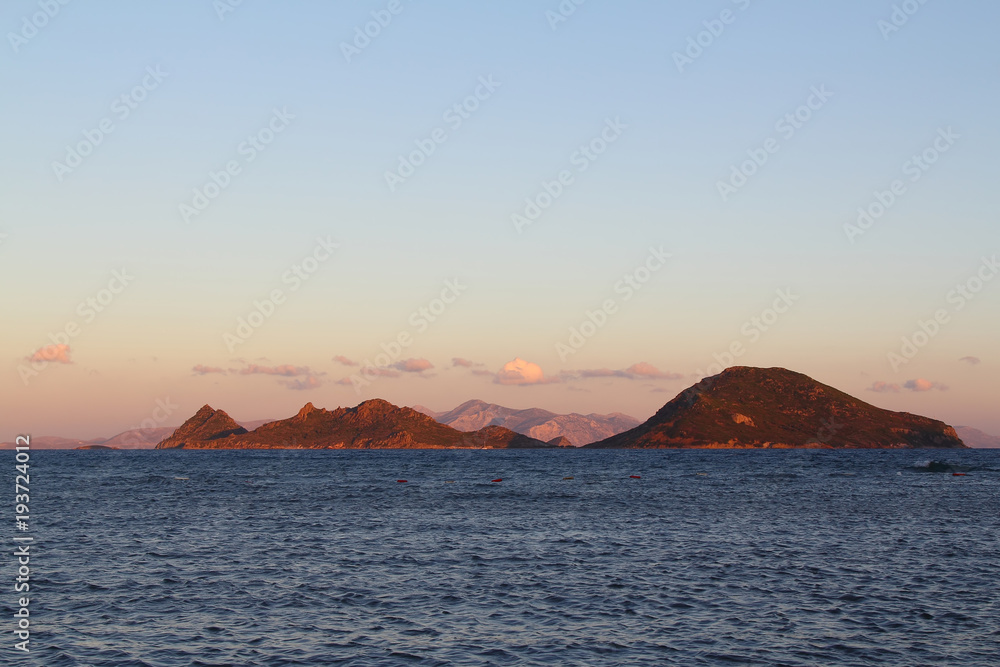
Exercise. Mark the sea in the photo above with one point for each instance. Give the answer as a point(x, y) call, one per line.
point(504, 557)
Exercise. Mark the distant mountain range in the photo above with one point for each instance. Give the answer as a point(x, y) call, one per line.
point(973, 437)
point(135, 438)
point(750, 408)
point(139, 438)
point(574, 428)
point(741, 407)
point(374, 424)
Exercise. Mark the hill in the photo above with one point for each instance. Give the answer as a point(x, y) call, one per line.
point(374, 424)
point(745, 407)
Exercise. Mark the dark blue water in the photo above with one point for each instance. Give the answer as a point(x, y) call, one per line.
point(322, 558)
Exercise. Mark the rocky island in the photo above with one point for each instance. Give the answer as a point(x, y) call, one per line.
point(374, 424)
point(760, 408)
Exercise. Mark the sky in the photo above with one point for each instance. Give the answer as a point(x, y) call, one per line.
point(579, 207)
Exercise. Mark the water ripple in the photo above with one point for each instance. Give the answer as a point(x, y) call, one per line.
point(321, 558)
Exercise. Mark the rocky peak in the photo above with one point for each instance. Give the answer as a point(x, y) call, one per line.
point(206, 424)
point(307, 410)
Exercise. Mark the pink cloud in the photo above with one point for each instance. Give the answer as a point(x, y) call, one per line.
point(884, 387)
point(599, 373)
point(204, 370)
point(641, 370)
point(458, 361)
point(344, 360)
point(646, 370)
point(58, 353)
point(521, 372)
point(920, 384)
point(286, 370)
point(309, 382)
point(413, 365)
point(972, 361)
point(369, 372)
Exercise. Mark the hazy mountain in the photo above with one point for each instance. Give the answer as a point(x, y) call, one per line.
point(973, 437)
point(54, 442)
point(134, 438)
point(139, 438)
point(374, 424)
point(534, 422)
point(773, 407)
point(255, 423)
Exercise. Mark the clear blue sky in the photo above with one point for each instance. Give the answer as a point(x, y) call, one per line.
point(554, 89)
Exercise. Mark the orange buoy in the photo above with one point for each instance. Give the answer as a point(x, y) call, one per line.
point(634, 477)
point(400, 481)
point(498, 480)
